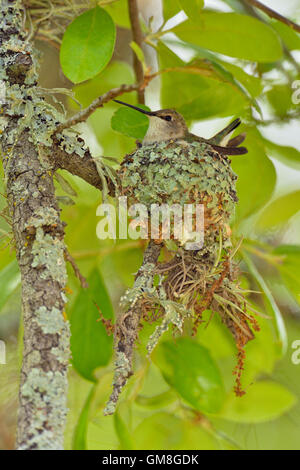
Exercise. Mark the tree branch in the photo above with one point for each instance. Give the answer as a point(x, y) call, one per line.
point(82, 166)
point(97, 103)
point(273, 14)
point(251, 10)
point(127, 325)
point(39, 242)
point(137, 36)
point(30, 159)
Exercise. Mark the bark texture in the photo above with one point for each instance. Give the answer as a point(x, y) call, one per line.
point(127, 326)
point(38, 234)
point(35, 142)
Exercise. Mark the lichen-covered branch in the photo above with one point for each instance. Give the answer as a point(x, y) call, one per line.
point(39, 239)
point(127, 326)
point(77, 161)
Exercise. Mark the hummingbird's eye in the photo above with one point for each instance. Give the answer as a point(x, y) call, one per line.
point(168, 118)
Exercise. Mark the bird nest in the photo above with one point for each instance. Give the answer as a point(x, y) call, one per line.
point(186, 282)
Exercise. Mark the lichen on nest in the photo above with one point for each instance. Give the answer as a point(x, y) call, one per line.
point(180, 173)
point(190, 281)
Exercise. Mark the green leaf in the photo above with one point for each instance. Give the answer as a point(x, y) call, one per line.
point(256, 177)
point(289, 267)
point(262, 353)
point(218, 335)
point(285, 154)
point(65, 185)
point(130, 122)
point(123, 432)
point(197, 437)
point(230, 73)
point(119, 13)
point(113, 143)
point(270, 303)
point(253, 84)
point(157, 401)
point(213, 100)
point(170, 8)
point(162, 431)
point(291, 38)
point(139, 53)
point(159, 431)
point(192, 8)
point(80, 432)
point(204, 91)
point(279, 211)
point(264, 401)
point(232, 34)
point(264, 67)
point(280, 98)
point(91, 347)
point(87, 45)
point(236, 5)
point(189, 369)
point(65, 200)
point(10, 279)
point(113, 76)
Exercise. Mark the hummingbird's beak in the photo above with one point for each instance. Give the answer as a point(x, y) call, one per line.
point(149, 113)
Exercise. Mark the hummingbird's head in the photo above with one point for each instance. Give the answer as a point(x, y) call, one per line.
point(164, 124)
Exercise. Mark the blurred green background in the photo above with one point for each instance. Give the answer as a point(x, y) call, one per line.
point(218, 69)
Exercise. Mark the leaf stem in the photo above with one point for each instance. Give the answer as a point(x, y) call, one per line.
point(270, 302)
point(270, 258)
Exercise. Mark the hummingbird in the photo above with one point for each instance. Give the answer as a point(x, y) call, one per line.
point(168, 124)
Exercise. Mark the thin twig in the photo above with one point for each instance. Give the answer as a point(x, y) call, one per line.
point(273, 14)
point(207, 300)
point(251, 11)
point(97, 103)
point(76, 270)
point(137, 36)
point(277, 120)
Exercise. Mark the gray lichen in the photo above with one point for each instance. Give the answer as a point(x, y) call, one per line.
point(26, 128)
point(122, 370)
point(175, 314)
point(143, 283)
point(128, 323)
point(40, 391)
point(49, 252)
point(50, 321)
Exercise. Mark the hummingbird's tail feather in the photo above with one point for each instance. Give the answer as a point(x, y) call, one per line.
point(221, 137)
point(236, 141)
point(221, 143)
point(229, 150)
